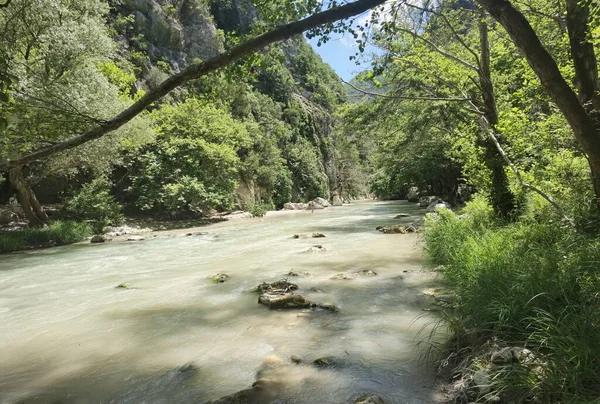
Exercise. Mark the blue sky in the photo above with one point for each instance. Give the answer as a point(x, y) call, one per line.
point(336, 53)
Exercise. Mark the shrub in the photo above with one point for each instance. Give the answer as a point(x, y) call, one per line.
point(60, 233)
point(260, 209)
point(93, 202)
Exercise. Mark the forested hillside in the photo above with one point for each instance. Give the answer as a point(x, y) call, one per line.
point(261, 131)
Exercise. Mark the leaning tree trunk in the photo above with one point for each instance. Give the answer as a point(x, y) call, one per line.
point(502, 198)
point(31, 207)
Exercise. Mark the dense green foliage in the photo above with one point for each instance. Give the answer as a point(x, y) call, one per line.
point(58, 233)
point(531, 284)
point(93, 202)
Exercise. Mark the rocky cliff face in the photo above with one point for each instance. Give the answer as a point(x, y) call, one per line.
point(175, 31)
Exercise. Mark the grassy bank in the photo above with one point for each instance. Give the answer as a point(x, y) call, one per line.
point(534, 285)
point(58, 233)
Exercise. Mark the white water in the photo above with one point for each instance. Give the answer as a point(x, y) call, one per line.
point(67, 335)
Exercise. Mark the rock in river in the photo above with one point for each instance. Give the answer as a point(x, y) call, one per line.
point(219, 278)
point(369, 400)
point(367, 272)
point(99, 239)
point(341, 277)
point(287, 301)
point(317, 248)
point(413, 194)
point(277, 287)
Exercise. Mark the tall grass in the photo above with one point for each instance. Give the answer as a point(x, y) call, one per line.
point(58, 233)
point(532, 284)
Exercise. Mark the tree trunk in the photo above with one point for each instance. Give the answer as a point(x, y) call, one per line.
point(31, 207)
point(502, 198)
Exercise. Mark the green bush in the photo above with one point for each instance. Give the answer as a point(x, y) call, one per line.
point(528, 284)
point(60, 233)
point(93, 202)
point(260, 209)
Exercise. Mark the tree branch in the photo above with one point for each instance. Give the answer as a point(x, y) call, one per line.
point(527, 185)
point(437, 49)
point(195, 71)
point(454, 32)
point(405, 97)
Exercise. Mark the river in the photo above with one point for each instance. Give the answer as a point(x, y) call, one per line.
point(68, 335)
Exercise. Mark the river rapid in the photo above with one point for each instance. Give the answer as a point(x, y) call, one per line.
point(67, 335)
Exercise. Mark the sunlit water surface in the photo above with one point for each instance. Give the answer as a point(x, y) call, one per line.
point(68, 335)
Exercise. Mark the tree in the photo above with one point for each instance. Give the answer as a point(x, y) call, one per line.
point(55, 53)
point(580, 110)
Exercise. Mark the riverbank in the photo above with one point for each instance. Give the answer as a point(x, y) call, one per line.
point(18, 237)
point(524, 310)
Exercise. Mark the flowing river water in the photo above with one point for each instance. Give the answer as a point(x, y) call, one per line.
point(67, 335)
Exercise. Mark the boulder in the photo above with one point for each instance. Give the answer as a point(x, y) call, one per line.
point(296, 359)
point(238, 214)
point(393, 229)
point(342, 277)
point(513, 354)
point(287, 301)
point(369, 400)
point(322, 201)
point(312, 205)
point(482, 380)
point(436, 205)
point(296, 273)
point(317, 248)
point(337, 201)
point(314, 235)
point(328, 307)
point(219, 278)
point(425, 201)
point(464, 192)
point(367, 272)
point(7, 216)
point(135, 238)
point(413, 194)
point(294, 206)
point(123, 286)
point(99, 239)
point(277, 287)
point(247, 396)
point(401, 216)
point(327, 361)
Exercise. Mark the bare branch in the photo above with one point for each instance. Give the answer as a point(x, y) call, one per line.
point(437, 49)
point(405, 97)
point(449, 24)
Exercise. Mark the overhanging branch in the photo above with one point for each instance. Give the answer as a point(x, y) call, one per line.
point(195, 71)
